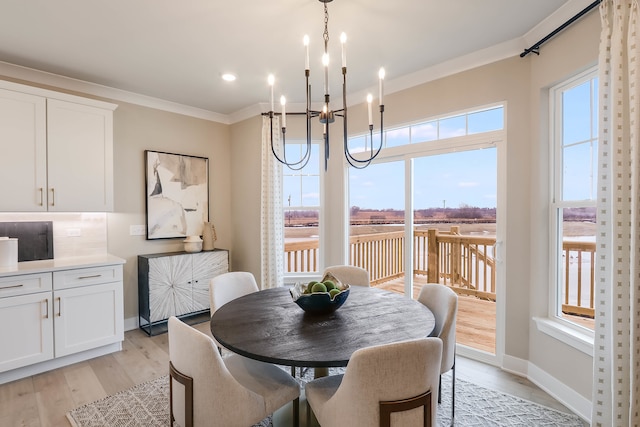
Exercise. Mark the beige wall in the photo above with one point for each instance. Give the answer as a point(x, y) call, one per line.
point(137, 129)
point(576, 49)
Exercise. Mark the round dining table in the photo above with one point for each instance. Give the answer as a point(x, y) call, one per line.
point(269, 326)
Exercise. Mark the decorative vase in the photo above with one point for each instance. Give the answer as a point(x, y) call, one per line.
point(192, 244)
point(208, 236)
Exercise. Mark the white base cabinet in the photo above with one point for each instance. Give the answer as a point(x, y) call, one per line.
point(48, 316)
point(27, 331)
point(88, 317)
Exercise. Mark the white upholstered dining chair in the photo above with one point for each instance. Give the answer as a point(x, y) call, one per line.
point(443, 303)
point(397, 378)
point(229, 286)
point(349, 274)
point(207, 390)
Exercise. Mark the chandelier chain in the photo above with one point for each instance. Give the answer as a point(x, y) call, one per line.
point(325, 35)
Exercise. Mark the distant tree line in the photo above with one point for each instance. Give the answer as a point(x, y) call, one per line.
point(464, 212)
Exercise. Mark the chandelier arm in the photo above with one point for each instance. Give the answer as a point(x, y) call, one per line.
point(366, 162)
point(294, 165)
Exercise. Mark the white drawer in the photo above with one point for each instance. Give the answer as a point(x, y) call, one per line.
point(24, 284)
point(86, 276)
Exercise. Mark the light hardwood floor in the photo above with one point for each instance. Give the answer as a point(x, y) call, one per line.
point(44, 399)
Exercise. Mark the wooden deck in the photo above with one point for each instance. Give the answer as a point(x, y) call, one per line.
point(476, 322)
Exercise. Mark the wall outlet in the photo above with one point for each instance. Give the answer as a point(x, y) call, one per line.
point(137, 230)
point(73, 232)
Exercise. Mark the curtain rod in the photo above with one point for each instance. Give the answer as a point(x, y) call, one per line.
point(536, 47)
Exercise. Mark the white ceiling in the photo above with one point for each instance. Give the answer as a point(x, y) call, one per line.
point(178, 50)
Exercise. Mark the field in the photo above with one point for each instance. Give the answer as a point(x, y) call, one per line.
point(572, 229)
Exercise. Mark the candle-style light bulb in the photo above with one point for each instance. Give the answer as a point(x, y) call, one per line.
point(381, 76)
point(271, 80)
point(343, 43)
point(325, 62)
point(369, 101)
point(305, 41)
point(283, 102)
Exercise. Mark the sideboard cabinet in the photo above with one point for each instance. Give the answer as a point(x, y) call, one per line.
point(176, 284)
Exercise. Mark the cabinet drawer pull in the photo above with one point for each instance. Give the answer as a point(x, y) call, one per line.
point(53, 197)
point(59, 306)
point(46, 304)
point(41, 195)
point(12, 286)
point(89, 277)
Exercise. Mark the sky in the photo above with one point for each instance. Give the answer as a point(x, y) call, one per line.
point(446, 180)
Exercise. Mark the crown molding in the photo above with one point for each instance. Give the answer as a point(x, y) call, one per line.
point(44, 78)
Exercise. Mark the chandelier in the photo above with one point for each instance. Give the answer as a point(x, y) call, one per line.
point(327, 115)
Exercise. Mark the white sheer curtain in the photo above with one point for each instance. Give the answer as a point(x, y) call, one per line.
point(271, 209)
point(617, 332)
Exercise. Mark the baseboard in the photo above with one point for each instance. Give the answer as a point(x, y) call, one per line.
point(515, 365)
point(577, 403)
point(558, 390)
point(131, 323)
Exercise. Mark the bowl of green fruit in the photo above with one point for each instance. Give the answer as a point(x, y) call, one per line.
point(320, 296)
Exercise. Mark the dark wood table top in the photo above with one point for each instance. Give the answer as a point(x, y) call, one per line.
point(269, 326)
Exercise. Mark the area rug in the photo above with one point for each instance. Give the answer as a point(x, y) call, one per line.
point(147, 405)
point(144, 405)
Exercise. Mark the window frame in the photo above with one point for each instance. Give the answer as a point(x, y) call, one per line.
point(301, 276)
point(555, 324)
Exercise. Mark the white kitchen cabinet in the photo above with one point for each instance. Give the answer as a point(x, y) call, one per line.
point(176, 284)
point(60, 151)
point(79, 157)
point(50, 316)
point(88, 308)
point(87, 317)
point(27, 329)
point(23, 142)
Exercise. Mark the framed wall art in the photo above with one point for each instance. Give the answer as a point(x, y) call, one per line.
point(177, 194)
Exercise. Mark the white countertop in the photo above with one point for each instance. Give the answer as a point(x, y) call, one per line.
point(56, 264)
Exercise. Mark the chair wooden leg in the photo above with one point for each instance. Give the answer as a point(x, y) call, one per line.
point(308, 414)
point(389, 407)
point(187, 382)
point(440, 390)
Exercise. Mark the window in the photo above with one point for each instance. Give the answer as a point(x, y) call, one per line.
point(469, 123)
point(574, 151)
point(301, 210)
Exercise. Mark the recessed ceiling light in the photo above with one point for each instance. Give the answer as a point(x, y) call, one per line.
point(228, 77)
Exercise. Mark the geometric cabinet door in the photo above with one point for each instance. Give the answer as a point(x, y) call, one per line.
point(176, 284)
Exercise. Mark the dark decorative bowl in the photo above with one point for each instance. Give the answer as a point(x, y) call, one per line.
point(319, 302)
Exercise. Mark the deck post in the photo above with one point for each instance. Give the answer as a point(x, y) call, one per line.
point(433, 274)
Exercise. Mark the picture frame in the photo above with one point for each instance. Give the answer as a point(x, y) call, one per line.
point(176, 194)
